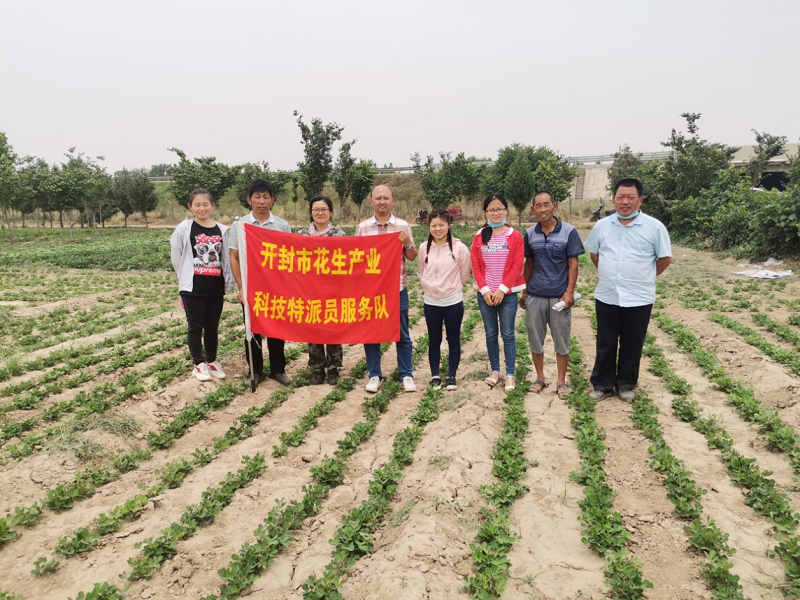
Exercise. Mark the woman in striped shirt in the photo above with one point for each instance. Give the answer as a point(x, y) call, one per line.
point(497, 257)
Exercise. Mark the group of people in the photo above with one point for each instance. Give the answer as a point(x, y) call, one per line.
point(536, 271)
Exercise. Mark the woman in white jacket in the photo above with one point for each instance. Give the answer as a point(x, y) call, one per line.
point(199, 251)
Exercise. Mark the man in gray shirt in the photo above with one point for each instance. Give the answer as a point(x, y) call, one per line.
point(261, 197)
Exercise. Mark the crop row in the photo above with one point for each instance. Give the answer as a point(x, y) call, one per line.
point(780, 436)
point(276, 532)
point(784, 332)
point(354, 538)
point(761, 493)
point(39, 340)
point(174, 473)
point(603, 529)
point(63, 496)
point(54, 382)
point(214, 499)
point(509, 465)
point(705, 537)
point(752, 337)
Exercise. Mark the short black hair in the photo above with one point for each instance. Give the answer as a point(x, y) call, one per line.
point(260, 185)
point(325, 199)
point(629, 182)
point(552, 199)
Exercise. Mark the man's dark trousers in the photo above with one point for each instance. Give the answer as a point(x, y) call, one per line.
point(275, 348)
point(624, 328)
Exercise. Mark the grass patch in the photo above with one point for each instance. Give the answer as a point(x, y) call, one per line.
point(69, 436)
point(401, 513)
point(453, 401)
point(478, 357)
point(440, 462)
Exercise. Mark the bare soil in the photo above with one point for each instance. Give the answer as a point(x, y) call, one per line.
point(422, 551)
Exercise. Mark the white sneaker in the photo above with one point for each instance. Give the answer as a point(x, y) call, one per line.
point(215, 370)
point(408, 384)
point(373, 384)
point(201, 372)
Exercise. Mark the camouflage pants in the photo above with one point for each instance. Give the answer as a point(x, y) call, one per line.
point(317, 359)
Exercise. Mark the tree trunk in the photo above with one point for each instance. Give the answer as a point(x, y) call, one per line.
point(144, 214)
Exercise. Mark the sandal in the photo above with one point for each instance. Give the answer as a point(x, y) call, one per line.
point(493, 379)
point(538, 386)
point(510, 383)
point(563, 391)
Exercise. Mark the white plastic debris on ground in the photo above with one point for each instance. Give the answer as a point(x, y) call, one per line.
point(762, 273)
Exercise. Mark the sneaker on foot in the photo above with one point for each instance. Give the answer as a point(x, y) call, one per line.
point(201, 372)
point(373, 384)
point(597, 395)
point(451, 384)
point(626, 395)
point(215, 370)
point(435, 383)
point(510, 383)
point(333, 376)
point(317, 377)
point(281, 378)
point(409, 385)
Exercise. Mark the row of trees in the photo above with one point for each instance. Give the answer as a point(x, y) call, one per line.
point(352, 179)
point(705, 201)
point(518, 173)
point(78, 190)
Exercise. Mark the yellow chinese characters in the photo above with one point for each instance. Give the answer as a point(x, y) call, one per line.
point(315, 311)
point(320, 261)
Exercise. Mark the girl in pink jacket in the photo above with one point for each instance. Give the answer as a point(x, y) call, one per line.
point(443, 271)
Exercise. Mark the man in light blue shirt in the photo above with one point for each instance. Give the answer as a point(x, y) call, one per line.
point(629, 250)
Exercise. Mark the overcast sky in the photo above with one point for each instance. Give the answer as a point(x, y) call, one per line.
point(128, 80)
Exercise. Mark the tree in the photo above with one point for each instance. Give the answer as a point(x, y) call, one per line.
point(520, 184)
point(134, 192)
point(85, 186)
point(204, 172)
point(559, 171)
point(342, 174)
point(693, 164)
point(550, 175)
point(159, 170)
point(767, 147)
point(122, 193)
point(793, 174)
point(451, 180)
point(317, 140)
point(364, 173)
point(34, 175)
point(8, 182)
point(250, 171)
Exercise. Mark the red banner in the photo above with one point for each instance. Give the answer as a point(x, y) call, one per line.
point(323, 290)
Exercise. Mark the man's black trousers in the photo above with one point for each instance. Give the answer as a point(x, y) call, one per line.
point(275, 347)
point(624, 329)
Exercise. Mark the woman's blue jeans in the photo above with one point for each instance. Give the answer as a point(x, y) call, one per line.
point(505, 313)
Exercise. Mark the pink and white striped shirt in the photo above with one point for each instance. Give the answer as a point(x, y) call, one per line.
point(495, 255)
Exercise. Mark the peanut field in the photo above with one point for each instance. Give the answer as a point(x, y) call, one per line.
point(122, 476)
